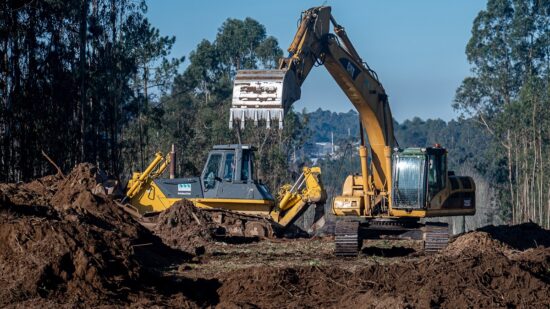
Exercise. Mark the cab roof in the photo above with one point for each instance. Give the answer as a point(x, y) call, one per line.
point(234, 147)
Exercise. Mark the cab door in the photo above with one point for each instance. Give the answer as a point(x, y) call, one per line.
point(437, 173)
point(211, 175)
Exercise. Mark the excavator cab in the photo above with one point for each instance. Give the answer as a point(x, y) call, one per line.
point(421, 182)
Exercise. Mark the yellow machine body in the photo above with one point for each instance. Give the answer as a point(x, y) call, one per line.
point(145, 195)
point(376, 192)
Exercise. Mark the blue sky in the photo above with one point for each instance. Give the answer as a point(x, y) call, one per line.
point(416, 47)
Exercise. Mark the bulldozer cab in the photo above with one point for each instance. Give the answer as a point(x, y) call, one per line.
point(229, 173)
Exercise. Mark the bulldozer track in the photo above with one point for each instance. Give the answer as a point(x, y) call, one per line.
point(239, 224)
point(436, 237)
point(346, 238)
point(230, 223)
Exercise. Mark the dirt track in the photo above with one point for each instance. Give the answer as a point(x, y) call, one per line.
point(64, 243)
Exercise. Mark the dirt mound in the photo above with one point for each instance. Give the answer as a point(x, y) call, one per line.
point(521, 237)
point(63, 241)
point(184, 226)
point(473, 243)
point(474, 271)
point(502, 239)
point(37, 192)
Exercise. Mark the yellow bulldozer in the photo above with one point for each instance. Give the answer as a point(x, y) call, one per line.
point(229, 188)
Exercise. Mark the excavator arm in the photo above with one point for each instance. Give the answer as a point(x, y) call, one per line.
point(315, 44)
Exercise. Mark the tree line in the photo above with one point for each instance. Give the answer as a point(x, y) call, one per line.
point(93, 80)
point(508, 94)
point(73, 75)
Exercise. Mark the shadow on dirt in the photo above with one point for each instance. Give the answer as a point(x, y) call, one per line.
point(388, 252)
point(237, 240)
point(202, 292)
point(521, 237)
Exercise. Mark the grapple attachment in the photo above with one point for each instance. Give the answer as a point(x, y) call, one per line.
point(262, 95)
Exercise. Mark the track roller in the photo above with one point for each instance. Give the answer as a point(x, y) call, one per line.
point(346, 238)
point(436, 237)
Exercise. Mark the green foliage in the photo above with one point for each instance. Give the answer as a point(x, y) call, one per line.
point(72, 77)
point(243, 44)
point(194, 115)
point(344, 126)
point(508, 94)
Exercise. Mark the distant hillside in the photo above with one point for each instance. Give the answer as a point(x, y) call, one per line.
point(464, 139)
point(322, 123)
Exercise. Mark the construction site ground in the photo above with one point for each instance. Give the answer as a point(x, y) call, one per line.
point(64, 243)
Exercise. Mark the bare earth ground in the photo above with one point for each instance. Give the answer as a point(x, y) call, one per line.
point(63, 243)
point(222, 258)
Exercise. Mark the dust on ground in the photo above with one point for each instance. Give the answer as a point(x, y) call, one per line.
point(64, 243)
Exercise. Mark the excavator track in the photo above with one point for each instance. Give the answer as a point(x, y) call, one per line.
point(436, 237)
point(346, 238)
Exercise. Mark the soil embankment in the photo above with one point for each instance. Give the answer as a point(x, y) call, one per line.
point(63, 242)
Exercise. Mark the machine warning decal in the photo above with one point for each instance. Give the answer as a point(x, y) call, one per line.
point(184, 188)
point(352, 69)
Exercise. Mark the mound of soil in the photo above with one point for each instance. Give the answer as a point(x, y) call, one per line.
point(65, 241)
point(475, 271)
point(37, 192)
point(184, 226)
point(521, 237)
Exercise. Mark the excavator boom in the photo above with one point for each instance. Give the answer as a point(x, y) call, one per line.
point(312, 44)
point(396, 187)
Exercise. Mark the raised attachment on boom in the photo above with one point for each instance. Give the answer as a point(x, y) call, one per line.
point(262, 95)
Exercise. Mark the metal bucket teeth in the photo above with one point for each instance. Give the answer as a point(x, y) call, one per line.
point(262, 95)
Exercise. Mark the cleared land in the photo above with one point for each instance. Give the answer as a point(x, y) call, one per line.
point(64, 243)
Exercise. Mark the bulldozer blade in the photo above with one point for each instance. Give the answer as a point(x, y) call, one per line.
point(262, 95)
point(319, 220)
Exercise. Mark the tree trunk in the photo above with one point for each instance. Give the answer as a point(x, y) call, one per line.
point(82, 73)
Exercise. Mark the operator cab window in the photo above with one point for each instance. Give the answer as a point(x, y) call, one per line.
point(212, 171)
point(245, 167)
point(436, 173)
point(229, 169)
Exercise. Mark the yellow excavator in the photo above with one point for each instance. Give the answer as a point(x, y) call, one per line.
point(229, 189)
point(395, 187)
